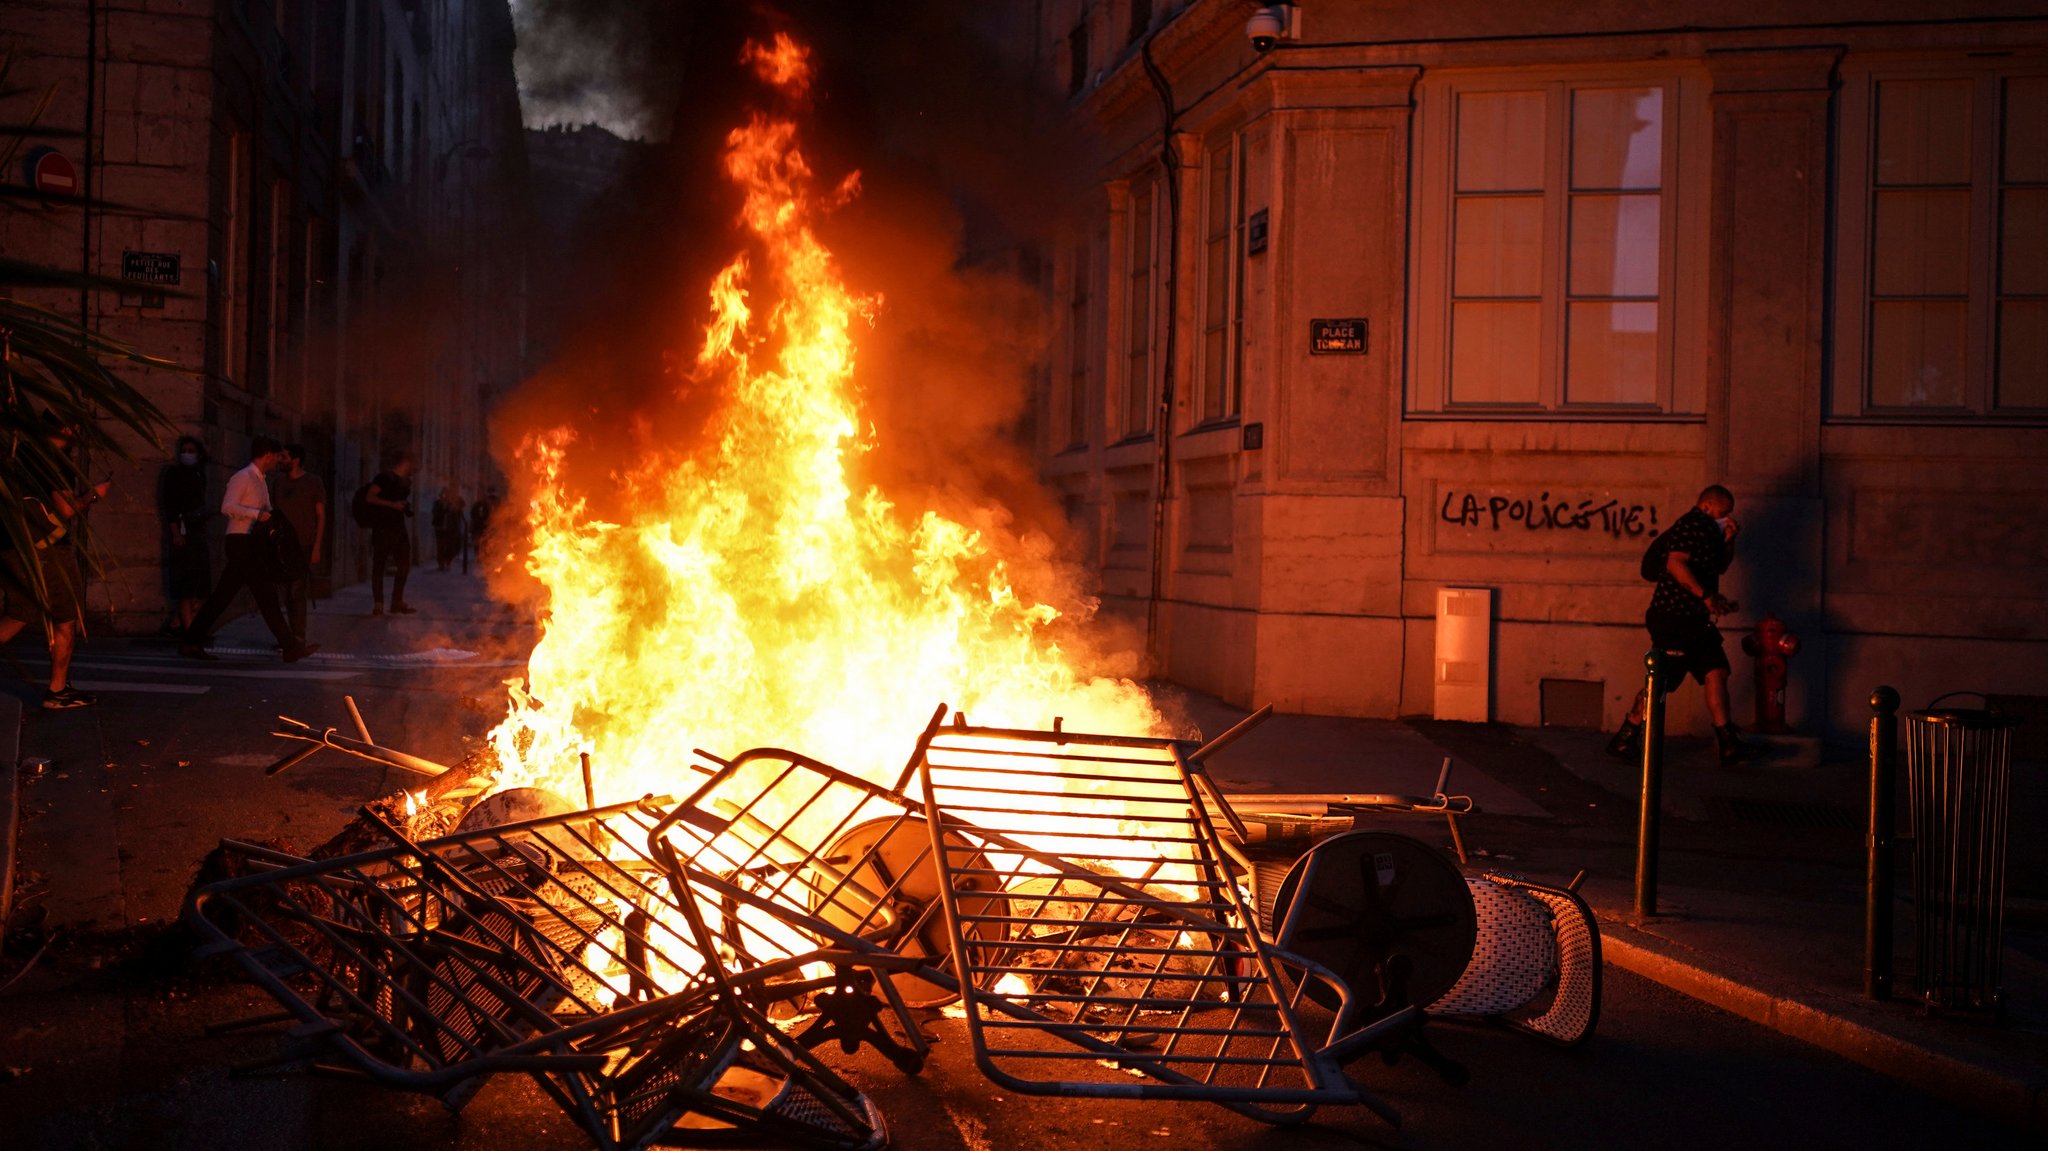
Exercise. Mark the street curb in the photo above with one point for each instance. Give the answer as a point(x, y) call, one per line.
point(10, 800)
point(2003, 1096)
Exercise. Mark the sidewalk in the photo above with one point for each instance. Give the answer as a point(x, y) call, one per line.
point(1761, 899)
point(1762, 866)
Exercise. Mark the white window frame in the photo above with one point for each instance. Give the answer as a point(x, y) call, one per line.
point(1849, 394)
point(1680, 390)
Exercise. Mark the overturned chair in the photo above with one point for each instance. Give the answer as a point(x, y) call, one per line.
point(1402, 925)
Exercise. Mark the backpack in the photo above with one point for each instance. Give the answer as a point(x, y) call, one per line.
point(1656, 558)
point(365, 514)
point(282, 558)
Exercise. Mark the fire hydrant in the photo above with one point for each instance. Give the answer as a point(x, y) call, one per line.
point(1771, 645)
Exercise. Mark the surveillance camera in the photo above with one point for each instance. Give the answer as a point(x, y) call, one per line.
point(1272, 24)
point(1264, 30)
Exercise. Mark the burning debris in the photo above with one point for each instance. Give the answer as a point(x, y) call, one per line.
point(668, 970)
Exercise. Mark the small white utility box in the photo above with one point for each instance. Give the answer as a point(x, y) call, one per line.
point(1464, 654)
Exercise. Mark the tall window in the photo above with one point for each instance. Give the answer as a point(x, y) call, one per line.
point(1140, 296)
point(1222, 281)
point(1945, 245)
point(277, 317)
point(1549, 242)
point(1077, 348)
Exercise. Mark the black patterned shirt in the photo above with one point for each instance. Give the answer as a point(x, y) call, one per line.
point(1708, 554)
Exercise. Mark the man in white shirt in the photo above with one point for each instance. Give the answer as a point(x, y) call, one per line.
point(247, 504)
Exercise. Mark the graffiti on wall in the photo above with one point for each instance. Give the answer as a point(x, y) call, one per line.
point(1541, 513)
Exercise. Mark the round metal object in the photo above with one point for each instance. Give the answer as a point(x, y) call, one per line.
point(897, 871)
point(1388, 914)
point(513, 805)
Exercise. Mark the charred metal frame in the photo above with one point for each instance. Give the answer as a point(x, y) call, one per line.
point(1124, 878)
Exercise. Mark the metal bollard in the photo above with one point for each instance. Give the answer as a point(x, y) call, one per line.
point(1877, 875)
point(1653, 785)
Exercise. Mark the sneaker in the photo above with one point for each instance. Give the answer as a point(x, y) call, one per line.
point(300, 652)
point(1628, 742)
point(376, 609)
point(404, 609)
point(67, 698)
point(1735, 749)
point(196, 651)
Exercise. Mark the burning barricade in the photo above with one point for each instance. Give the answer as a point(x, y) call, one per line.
point(673, 971)
point(687, 968)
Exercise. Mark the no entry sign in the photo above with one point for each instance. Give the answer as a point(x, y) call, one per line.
point(50, 171)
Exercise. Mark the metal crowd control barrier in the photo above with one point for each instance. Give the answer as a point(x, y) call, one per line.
point(811, 856)
point(559, 948)
point(1958, 767)
point(1098, 932)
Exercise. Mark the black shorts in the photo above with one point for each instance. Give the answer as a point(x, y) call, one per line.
point(59, 562)
point(1696, 640)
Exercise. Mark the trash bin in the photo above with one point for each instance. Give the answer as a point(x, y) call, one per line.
point(1958, 767)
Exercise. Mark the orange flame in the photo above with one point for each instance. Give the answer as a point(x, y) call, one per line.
point(758, 597)
point(782, 63)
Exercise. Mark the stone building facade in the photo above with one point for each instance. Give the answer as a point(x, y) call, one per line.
point(1477, 295)
point(322, 204)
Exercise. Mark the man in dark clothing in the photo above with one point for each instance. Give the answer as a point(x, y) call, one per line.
point(301, 497)
point(390, 500)
point(247, 507)
point(480, 521)
point(1696, 550)
point(181, 501)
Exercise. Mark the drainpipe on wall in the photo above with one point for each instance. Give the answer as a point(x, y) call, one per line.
point(1162, 430)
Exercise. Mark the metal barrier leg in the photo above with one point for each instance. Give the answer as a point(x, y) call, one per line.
point(1647, 823)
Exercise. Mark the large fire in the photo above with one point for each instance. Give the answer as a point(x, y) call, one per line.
point(758, 597)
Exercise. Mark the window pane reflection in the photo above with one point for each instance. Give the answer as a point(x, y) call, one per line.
point(1495, 351)
point(1916, 353)
point(1618, 138)
point(1500, 142)
point(1611, 353)
point(1614, 245)
point(1922, 245)
point(2023, 354)
point(1923, 132)
point(1498, 248)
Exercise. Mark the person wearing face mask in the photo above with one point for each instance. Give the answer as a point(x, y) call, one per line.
point(1687, 562)
point(181, 503)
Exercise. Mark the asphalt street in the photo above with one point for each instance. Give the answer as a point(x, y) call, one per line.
point(104, 1044)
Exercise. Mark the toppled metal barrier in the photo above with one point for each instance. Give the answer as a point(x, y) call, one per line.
point(558, 948)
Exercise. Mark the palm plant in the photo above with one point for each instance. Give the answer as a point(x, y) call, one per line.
point(54, 371)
